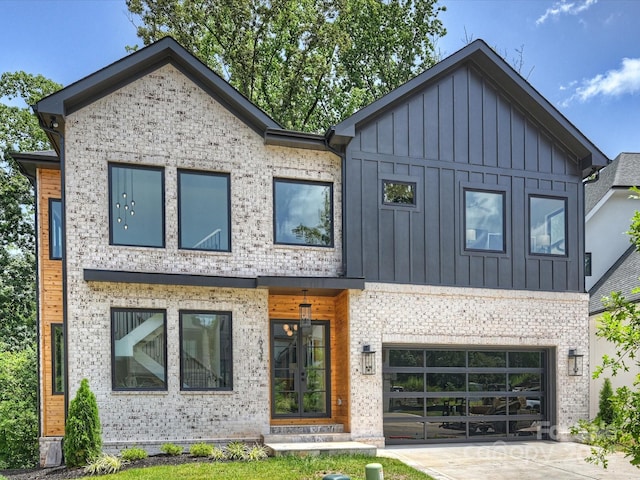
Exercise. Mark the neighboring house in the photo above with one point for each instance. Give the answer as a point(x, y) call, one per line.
point(437, 236)
point(615, 264)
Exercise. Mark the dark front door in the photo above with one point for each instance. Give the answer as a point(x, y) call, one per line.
point(300, 369)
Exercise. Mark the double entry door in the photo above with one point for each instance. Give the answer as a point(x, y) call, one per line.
point(300, 376)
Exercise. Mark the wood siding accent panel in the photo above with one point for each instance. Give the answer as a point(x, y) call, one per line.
point(336, 311)
point(459, 131)
point(50, 304)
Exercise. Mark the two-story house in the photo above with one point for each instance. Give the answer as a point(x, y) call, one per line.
point(414, 275)
point(614, 261)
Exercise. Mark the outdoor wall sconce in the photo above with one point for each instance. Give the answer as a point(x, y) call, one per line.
point(575, 363)
point(368, 360)
point(305, 312)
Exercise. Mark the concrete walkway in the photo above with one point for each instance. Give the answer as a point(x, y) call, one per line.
point(514, 461)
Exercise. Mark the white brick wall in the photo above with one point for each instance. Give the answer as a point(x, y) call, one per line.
point(385, 314)
point(163, 119)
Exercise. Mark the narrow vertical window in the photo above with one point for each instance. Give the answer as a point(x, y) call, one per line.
point(57, 358)
point(139, 349)
point(205, 351)
point(547, 225)
point(204, 219)
point(55, 229)
point(484, 220)
point(587, 264)
point(136, 206)
point(303, 213)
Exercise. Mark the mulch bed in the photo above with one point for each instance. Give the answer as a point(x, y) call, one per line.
point(62, 473)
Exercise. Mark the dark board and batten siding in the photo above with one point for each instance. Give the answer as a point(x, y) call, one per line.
point(458, 132)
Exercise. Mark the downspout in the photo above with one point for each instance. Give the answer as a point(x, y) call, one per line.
point(343, 172)
point(50, 129)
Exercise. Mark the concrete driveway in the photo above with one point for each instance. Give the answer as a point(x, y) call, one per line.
point(514, 461)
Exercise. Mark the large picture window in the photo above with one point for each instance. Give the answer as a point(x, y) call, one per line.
point(205, 351)
point(139, 349)
point(547, 225)
point(136, 206)
point(484, 220)
point(55, 229)
point(204, 211)
point(303, 213)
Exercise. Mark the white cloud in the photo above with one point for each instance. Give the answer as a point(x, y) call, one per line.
point(614, 83)
point(565, 8)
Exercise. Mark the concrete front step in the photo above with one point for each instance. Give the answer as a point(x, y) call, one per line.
point(305, 449)
point(306, 437)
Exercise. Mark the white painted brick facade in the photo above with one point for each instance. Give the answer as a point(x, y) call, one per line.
point(385, 314)
point(163, 119)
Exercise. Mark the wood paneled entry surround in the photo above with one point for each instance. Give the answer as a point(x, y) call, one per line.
point(329, 314)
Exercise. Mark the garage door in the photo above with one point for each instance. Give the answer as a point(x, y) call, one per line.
point(437, 395)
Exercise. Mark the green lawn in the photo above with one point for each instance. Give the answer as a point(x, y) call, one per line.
point(280, 468)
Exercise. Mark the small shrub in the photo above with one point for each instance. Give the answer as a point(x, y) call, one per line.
point(257, 452)
point(236, 451)
point(171, 449)
point(103, 465)
point(218, 454)
point(133, 453)
point(605, 406)
point(201, 450)
point(82, 438)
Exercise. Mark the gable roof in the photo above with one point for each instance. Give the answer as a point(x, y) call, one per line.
point(485, 59)
point(165, 51)
point(623, 276)
point(622, 173)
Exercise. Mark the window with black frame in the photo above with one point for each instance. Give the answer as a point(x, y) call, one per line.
point(205, 350)
point(303, 213)
point(484, 220)
point(57, 358)
point(204, 217)
point(547, 225)
point(55, 229)
point(139, 349)
point(136, 205)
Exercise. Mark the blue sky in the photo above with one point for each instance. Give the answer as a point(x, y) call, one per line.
point(582, 55)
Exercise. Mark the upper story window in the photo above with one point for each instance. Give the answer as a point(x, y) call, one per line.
point(205, 351)
point(55, 229)
point(139, 349)
point(203, 212)
point(484, 220)
point(136, 206)
point(303, 213)
point(398, 193)
point(547, 225)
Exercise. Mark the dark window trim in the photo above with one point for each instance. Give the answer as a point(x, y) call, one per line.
point(506, 227)
point(304, 182)
point(51, 255)
point(206, 174)
point(565, 199)
point(54, 365)
point(138, 167)
point(207, 312)
point(385, 181)
point(588, 265)
point(113, 350)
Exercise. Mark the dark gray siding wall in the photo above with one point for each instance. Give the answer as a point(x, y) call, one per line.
point(460, 132)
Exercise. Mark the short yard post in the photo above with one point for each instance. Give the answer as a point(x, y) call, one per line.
point(373, 471)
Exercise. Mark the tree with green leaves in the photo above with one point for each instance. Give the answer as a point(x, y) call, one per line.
point(620, 325)
point(19, 131)
point(307, 63)
point(82, 431)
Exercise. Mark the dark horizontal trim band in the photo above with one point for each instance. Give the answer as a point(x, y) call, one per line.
point(167, 279)
point(117, 276)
